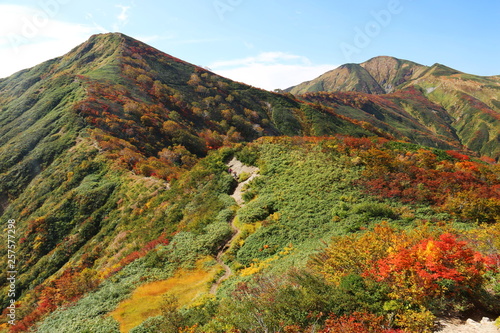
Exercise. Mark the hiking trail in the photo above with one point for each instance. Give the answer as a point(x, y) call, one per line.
point(237, 168)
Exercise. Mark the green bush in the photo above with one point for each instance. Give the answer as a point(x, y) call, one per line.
point(248, 155)
point(355, 294)
point(254, 211)
point(374, 210)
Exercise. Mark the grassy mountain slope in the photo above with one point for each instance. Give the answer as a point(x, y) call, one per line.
point(405, 114)
point(350, 77)
point(392, 73)
point(90, 139)
point(309, 190)
point(114, 167)
point(471, 101)
point(378, 75)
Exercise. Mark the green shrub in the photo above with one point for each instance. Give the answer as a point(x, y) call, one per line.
point(248, 155)
point(374, 210)
point(255, 211)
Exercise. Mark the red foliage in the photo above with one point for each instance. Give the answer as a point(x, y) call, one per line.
point(359, 143)
point(418, 272)
point(488, 160)
point(162, 240)
point(456, 155)
point(419, 177)
point(66, 289)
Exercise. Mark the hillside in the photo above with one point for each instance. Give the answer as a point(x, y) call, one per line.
point(470, 103)
point(87, 137)
point(115, 163)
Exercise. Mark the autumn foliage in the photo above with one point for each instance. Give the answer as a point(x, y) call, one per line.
point(432, 269)
point(448, 180)
point(358, 322)
point(427, 271)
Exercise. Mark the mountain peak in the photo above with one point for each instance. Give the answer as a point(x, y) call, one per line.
point(348, 77)
point(379, 75)
point(442, 70)
point(392, 72)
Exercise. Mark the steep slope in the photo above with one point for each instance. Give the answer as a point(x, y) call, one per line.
point(391, 73)
point(350, 77)
point(471, 101)
point(405, 114)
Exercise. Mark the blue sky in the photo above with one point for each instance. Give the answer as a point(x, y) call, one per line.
point(266, 43)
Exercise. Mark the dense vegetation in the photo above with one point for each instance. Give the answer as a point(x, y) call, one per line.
point(114, 163)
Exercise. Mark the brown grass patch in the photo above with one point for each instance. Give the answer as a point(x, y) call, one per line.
point(146, 300)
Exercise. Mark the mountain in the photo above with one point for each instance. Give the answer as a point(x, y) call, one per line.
point(135, 100)
point(468, 105)
point(87, 137)
point(403, 114)
point(147, 194)
point(378, 75)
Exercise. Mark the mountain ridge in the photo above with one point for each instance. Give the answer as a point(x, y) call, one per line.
point(75, 130)
point(114, 163)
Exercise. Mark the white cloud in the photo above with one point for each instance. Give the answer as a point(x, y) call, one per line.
point(271, 70)
point(123, 17)
point(265, 57)
point(31, 35)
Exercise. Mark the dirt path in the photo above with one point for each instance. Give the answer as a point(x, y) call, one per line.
point(227, 270)
point(470, 326)
point(237, 168)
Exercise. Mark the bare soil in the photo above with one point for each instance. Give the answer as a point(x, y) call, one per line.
point(486, 325)
point(238, 168)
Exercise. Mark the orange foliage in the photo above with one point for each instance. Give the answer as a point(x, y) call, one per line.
point(431, 269)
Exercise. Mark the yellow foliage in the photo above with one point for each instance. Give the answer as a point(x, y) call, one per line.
point(146, 300)
point(416, 321)
point(354, 254)
point(258, 266)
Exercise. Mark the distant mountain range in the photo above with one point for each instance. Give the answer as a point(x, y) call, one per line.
point(411, 100)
